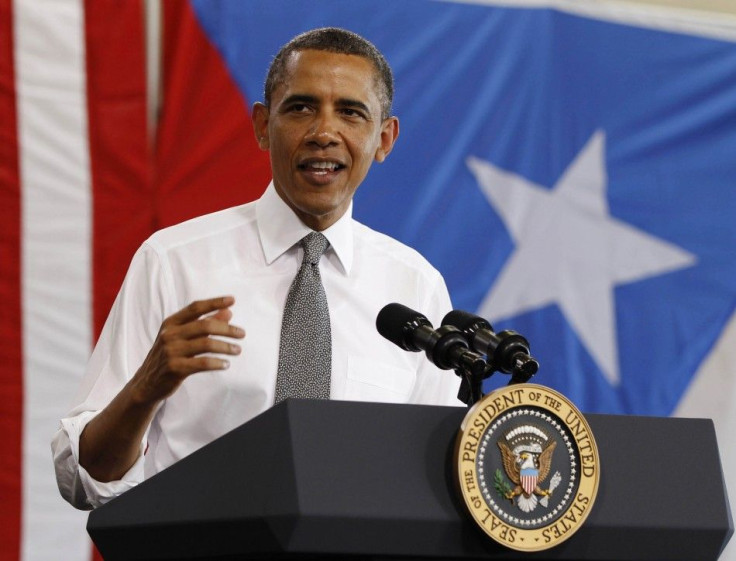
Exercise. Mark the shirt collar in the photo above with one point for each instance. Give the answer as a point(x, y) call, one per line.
point(279, 229)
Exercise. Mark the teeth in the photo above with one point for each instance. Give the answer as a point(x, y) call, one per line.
point(332, 166)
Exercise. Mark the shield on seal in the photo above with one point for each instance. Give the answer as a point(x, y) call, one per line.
point(529, 479)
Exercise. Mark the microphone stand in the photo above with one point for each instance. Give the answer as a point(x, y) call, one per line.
point(510, 354)
point(471, 386)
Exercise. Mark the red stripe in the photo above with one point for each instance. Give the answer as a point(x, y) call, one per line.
point(11, 365)
point(123, 215)
point(207, 156)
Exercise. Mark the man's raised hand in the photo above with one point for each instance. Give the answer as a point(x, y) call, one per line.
point(197, 338)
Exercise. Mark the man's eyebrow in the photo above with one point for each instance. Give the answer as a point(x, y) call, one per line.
point(354, 104)
point(300, 98)
point(313, 100)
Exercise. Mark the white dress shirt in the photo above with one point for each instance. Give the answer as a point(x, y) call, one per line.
point(252, 253)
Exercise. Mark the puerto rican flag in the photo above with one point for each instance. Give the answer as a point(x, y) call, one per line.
point(568, 166)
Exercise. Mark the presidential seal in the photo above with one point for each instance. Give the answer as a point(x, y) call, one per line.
point(527, 466)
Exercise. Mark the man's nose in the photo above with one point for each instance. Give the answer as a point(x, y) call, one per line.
point(324, 131)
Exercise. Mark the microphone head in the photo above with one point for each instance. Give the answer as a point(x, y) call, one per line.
point(397, 323)
point(465, 321)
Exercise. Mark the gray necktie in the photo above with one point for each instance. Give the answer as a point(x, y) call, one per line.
point(305, 351)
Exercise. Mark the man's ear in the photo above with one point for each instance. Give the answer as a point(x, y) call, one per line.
point(260, 116)
point(389, 134)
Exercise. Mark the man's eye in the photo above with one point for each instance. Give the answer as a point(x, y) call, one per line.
point(299, 108)
point(349, 112)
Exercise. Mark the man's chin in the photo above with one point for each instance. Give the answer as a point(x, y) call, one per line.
point(322, 215)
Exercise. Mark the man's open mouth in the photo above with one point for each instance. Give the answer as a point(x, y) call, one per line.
point(321, 167)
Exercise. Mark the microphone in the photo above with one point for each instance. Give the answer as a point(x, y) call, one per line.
point(507, 351)
point(445, 347)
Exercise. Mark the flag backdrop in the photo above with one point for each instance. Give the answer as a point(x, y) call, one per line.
point(573, 176)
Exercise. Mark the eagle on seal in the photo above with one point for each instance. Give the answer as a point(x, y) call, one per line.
point(526, 471)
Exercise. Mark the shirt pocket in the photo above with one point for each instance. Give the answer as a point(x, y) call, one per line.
point(369, 380)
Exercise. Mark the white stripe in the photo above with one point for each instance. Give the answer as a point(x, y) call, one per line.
point(154, 55)
point(693, 21)
point(56, 296)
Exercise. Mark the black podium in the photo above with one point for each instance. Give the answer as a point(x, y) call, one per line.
point(331, 479)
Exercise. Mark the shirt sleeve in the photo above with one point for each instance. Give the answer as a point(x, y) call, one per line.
point(76, 485)
point(135, 318)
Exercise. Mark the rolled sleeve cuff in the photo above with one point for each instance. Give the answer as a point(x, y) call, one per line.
point(77, 486)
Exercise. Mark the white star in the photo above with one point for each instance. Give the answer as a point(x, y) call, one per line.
point(570, 251)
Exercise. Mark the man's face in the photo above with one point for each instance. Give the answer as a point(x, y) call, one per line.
point(323, 130)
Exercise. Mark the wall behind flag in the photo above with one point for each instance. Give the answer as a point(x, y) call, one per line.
point(605, 110)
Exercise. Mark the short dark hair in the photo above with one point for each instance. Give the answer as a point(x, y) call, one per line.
point(334, 40)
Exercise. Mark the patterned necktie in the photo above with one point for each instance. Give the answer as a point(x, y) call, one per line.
point(305, 351)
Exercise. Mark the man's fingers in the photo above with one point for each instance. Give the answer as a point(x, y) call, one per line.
point(203, 345)
point(186, 366)
point(201, 318)
point(198, 308)
point(222, 315)
point(203, 328)
point(181, 358)
point(190, 341)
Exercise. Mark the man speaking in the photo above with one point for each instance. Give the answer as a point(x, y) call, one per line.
point(222, 316)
